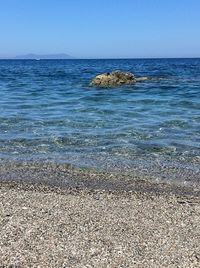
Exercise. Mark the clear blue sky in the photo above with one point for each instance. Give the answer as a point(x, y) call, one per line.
point(101, 28)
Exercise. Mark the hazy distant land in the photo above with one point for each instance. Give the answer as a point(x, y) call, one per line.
point(44, 57)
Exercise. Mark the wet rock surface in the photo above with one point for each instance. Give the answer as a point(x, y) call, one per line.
point(116, 78)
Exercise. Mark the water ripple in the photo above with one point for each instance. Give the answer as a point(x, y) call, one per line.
point(48, 111)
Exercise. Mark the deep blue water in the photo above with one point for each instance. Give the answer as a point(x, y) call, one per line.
point(48, 112)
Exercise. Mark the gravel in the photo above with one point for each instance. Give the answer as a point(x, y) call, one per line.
point(43, 226)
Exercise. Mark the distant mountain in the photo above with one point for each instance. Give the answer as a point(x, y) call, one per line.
point(44, 57)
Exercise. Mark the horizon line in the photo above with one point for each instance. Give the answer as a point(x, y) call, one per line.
point(109, 58)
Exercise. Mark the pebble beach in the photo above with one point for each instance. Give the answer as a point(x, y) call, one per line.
point(89, 224)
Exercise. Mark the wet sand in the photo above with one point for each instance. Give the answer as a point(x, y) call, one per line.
point(93, 219)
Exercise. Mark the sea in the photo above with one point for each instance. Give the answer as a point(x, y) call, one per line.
point(50, 113)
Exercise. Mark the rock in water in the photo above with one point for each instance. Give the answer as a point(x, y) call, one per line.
point(116, 78)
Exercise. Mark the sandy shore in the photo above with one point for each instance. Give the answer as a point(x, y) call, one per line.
point(44, 226)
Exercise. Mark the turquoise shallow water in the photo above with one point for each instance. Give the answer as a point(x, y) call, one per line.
point(48, 112)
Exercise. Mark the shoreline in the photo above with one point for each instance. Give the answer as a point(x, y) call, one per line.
point(137, 223)
point(66, 176)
